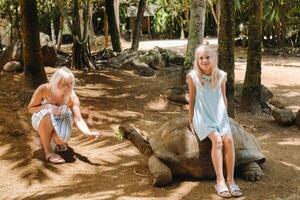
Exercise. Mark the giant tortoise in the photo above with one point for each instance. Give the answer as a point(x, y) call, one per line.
point(174, 151)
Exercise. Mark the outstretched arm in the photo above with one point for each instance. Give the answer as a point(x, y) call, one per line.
point(79, 121)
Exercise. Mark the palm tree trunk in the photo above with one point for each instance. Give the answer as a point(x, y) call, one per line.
point(196, 31)
point(138, 24)
point(33, 66)
point(251, 95)
point(226, 49)
point(60, 33)
point(113, 29)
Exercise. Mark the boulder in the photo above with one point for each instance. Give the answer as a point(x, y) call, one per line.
point(278, 102)
point(48, 51)
point(13, 66)
point(283, 116)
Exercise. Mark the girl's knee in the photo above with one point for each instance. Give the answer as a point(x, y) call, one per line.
point(216, 141)
point(228, 140)
point(45, 123)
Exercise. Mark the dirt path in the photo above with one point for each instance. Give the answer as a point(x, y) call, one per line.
point(113, 169)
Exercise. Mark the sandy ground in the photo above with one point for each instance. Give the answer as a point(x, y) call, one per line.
point(114, 169)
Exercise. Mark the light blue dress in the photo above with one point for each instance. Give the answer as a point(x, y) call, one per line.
point(210, 112)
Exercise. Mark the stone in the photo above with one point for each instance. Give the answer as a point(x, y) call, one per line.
point(283, 116)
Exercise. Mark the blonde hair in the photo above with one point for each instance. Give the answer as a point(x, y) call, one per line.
point(215, 75)
point(62, 74)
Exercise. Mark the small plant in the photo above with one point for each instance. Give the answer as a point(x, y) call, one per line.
point(119, 135)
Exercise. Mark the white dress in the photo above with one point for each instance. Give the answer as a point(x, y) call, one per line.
point(62, 124)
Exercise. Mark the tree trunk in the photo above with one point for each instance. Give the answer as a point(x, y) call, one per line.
point(214, 13)
point(53, 36)
point(226, 50)
point(33, 67)
point(251, 95)
point(117, 11)
point(196, 31)
point(113, 29)
point(138, 25)
point(60, 33)
point(106, 30)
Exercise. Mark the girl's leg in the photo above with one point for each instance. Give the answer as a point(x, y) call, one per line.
point(61, 145)
point(217, 157)
point(56, 139)
point(45, 130)
point(229, 156)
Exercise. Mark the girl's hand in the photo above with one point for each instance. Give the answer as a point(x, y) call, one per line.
point(55, 110)
point(192, 128)
point(94, 135)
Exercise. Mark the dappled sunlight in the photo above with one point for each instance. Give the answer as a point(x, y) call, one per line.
point(295, 167)
point(291, 93)
point(120, 96)
point(100, 117)
point(91, 93)
point(123, 114)
point(183, 189)
point(130, 163)
point(157, 104)
point(264, 137)
point(178, 193)
point(140, 96)
point(112, 77)
point(290, 141)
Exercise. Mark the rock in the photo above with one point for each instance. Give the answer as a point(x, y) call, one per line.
point(283, 116)
point(178, 98)
point(153, 58)
point(49, 55)
point(143, 69)
point(266, 94)
point(48, 50)
point(172, 70)
point(278, 102)
point(11, 53)
point(177, 95)
point(44, 38)
point(298, 118)
point(13, 66)
point(170, 57)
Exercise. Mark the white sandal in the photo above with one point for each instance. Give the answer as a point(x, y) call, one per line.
point(234, 190)
point(222, 191)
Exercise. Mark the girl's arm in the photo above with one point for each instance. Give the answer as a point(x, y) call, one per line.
point(80, 123)
point(191, 100)
point(35, 102)
point(223, 87)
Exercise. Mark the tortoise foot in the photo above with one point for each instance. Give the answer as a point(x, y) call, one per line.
point(161, 172)
point(251, 172)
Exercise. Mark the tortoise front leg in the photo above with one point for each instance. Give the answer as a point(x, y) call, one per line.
point(251, 171)
point(161, 172)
